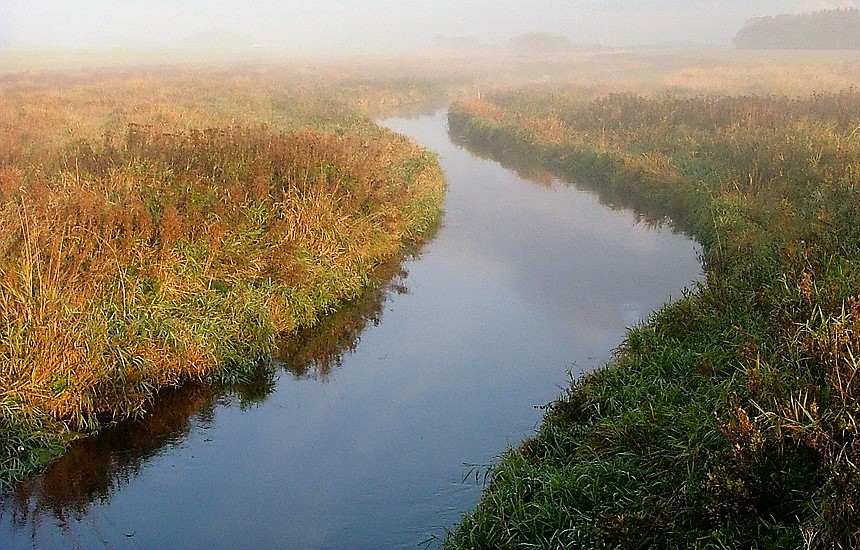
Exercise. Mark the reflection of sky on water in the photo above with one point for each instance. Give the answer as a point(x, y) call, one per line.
point(562, 252)
point(523, 283)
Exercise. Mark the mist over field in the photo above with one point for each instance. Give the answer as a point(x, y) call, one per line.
point(341, 27)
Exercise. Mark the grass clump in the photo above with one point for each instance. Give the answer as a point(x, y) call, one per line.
point(156, 254)
point(729, 419)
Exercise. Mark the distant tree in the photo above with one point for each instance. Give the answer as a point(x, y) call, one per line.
point(540, 42)
point(822, 30)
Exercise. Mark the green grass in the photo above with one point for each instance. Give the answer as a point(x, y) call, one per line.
point(729, 418)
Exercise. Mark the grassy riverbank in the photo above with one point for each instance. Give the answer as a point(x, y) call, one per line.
point(163, 226)
point(729, 419)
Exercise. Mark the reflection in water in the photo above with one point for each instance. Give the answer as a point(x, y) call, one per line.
point(96, 467)
point(530, 168)
point(314, 353)
point(526, 167)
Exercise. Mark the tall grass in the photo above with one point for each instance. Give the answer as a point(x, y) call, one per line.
point(154, 254)
point(729, 418)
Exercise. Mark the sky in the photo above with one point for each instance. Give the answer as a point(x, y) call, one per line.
point(379, 26)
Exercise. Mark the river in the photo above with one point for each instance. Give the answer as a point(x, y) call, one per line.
point(375, 432)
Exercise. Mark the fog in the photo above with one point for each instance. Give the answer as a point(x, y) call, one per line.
point(339, 27)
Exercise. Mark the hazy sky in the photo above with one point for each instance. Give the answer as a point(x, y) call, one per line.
point(361, 26)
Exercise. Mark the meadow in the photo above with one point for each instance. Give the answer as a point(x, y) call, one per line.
point(174, 225)
point(729, 418)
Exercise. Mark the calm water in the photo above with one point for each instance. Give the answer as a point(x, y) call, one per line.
point(362, 437)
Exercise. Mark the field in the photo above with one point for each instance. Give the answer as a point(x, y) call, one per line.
point(729, 419)
point(171, 224)
point(167, 226)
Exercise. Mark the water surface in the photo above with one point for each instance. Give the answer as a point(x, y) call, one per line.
point(362, 437)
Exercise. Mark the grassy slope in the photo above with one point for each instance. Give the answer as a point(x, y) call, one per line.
point(167, 226)
point(730, 418)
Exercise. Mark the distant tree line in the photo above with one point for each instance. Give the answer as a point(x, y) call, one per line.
point(822, 30)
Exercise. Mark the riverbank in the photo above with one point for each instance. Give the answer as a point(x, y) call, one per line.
point(727, 420)
point(171, 225)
